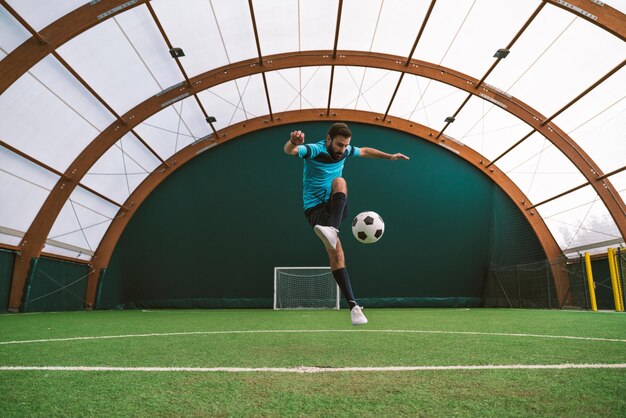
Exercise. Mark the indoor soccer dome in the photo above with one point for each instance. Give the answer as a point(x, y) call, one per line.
point(103, 103)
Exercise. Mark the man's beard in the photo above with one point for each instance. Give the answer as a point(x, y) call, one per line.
point(333, 154)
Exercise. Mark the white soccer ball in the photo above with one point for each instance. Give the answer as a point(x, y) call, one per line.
point(368, 227)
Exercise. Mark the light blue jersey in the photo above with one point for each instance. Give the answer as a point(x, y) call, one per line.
point(320, 170)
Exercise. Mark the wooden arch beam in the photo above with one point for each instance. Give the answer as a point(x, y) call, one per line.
point(31, 51)
point(103, 254)
point(36, 235)
point(66, 28)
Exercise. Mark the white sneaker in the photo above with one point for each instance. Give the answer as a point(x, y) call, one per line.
point(327, 234)
point(357, 316)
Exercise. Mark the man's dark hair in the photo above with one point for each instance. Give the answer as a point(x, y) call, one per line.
point(339, 129)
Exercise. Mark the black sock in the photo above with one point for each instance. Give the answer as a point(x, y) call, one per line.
point(343, 280)
point(338, 203)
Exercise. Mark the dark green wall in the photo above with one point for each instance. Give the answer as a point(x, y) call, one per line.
point(6, 270)
point(55, 285)
point(211, 234)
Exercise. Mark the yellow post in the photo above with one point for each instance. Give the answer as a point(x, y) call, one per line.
point(617, 296)
point(592, 287)
point(620, 279)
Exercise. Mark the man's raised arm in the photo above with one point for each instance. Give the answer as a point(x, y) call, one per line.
point(374, 153)
point(295, 138)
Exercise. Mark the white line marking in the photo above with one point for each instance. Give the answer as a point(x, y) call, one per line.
point(297, 331)
point(308, 369)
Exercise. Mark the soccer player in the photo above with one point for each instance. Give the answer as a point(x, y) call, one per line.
point(325, 195)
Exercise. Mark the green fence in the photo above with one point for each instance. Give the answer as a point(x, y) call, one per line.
point(55, 285)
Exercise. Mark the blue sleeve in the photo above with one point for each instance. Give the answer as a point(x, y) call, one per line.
point(354, 151)
point(309, 150)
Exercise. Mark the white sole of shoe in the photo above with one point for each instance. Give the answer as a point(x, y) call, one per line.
point(321, 236)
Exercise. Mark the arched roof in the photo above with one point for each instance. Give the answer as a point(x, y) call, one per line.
point(95, 97)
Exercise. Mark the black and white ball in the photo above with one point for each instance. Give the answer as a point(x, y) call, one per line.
point(368, 227)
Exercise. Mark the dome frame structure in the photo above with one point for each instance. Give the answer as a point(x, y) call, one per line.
point(46, 42)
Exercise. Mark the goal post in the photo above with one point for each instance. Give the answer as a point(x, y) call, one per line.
point(305, 288)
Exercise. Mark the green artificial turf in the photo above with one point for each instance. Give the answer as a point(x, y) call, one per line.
point(324, 339)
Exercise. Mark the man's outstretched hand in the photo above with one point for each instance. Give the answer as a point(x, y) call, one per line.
point(399, 156)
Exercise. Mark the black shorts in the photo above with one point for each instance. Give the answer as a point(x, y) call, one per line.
point(320, 214)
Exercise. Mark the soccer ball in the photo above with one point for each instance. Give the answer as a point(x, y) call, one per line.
point(368, 227)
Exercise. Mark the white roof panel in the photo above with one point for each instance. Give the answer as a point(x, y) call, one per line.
point(539, 169)
point(41, 115)
point(235, 27)
point(278, 25)
point(193, 28)
point(40, 13)
point(358, 24)
point(13, 34)
point(487, 128)
point(398, 26)
point(426, 101)
point(598, 122)
point(110, 58)
point(480, 35)
point(579, 219)
point(121, 169)
point(24, 187)
point(175, 127)
point(317, 24)
point(83, 220)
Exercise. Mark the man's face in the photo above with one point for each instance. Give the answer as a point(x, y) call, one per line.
point(337, 146)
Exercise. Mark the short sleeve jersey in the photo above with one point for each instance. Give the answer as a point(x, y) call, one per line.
point(320, 170)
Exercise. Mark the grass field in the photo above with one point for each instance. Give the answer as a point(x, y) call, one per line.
point(132, 372)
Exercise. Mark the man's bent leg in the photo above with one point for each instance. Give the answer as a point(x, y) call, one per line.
point(338, 200)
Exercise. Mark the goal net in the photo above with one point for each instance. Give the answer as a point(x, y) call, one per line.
point(305, 288)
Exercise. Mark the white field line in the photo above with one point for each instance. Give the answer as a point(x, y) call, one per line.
point(307, 369)
point(298, 331)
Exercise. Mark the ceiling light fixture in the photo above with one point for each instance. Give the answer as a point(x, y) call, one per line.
point(177, 52)
point(501, 53)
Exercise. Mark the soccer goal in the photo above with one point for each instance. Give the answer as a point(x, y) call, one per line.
point(305, 288)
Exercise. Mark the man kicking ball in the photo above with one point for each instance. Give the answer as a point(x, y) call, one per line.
point(325, 195)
